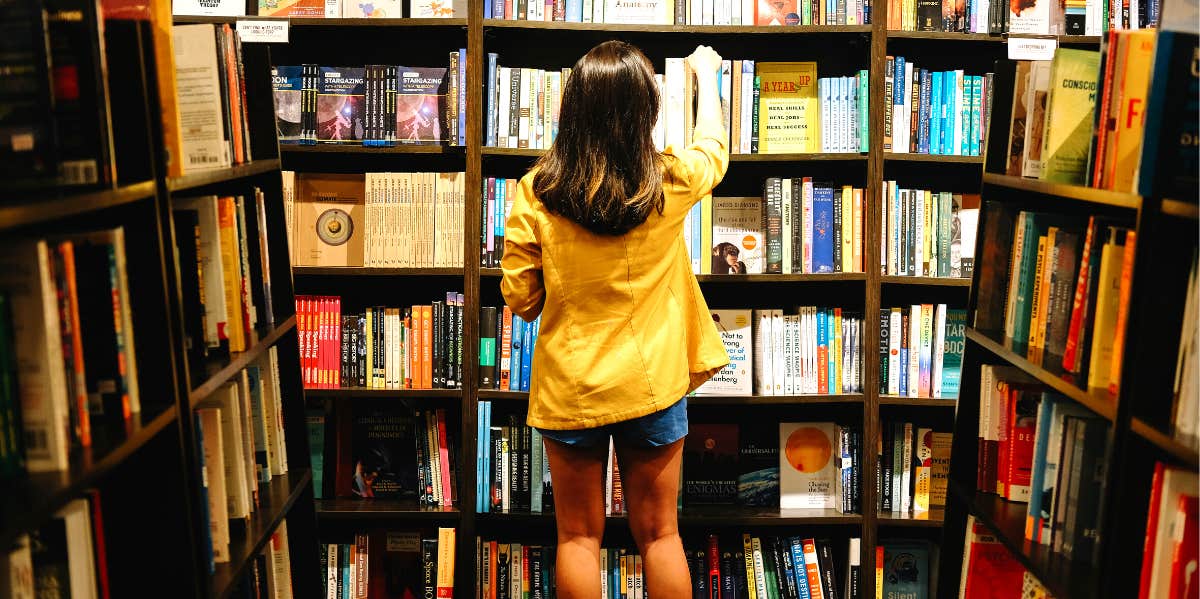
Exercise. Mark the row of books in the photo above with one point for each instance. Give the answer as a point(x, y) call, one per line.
point(1061, 295)
point(224, 263)
point(65, 556)
point(1043, 449)
point(512, 469)
point(1186, 409)
point(921, 350)
point(749, 566)
point(395, 453)
point(1080, 17)
point(269, 575)
point(927, 233)
point(799, 111)
point(684, 12)
point(1169, 554)
point(990, 570)
point(417, 347)
point(914, 466)
point(241, 447)
point(327, 9)
point(67, 343)
point(809, 350)
point(212, 96)
point(371, 105)
point(408, 220)
point(390, 564)
point(935, 112)
point(506, 349)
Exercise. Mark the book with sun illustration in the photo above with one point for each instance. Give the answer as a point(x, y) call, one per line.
point(807, 467)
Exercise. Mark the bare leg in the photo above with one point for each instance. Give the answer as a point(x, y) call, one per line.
point(650, 480)
point(578, 476)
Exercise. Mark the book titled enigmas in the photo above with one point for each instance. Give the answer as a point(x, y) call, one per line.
point(735, 378)
point(788, 108)
point(737, 236)
point(1069, 115)
point(807, 468)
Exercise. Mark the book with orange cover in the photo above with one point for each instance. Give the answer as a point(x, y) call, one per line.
point(1114, 373)
point(426, 347)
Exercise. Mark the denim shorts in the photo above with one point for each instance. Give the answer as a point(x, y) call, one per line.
point(663, 427)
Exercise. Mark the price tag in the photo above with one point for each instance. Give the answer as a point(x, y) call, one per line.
point(263, 32)
point(1031, 48)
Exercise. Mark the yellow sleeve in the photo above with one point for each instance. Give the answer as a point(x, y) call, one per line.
point(522, 285)
point(705, 160)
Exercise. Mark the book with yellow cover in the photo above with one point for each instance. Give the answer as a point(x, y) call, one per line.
point(1130, 113)
point(231, 267)
point(1069, 119)
point(789, 111)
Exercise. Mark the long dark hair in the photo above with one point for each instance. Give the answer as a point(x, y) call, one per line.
point(602, 170)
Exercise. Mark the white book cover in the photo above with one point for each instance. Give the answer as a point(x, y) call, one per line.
point(736, 333)
point(209, 8)
point(1041, 17)
point(777, 368)
point(808, 469)
point(959, 117)
point(215, 479)
point(432, 9)
point(237, 504)
point(205, 142)
point(37, 342)
point(918, 230)
point(791, 364)
point(216, 313)
point(726, 93)
point(647, 12)
point(737, 235)
point(813, 362)
point(383, 9)
point(747, 106)
point(673, 82)
point(81, 564)
point(762, 360)
point(939, 351)
point(660, 124)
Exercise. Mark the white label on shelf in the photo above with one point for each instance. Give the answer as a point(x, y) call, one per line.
point(263, 32)
point(1031, 48)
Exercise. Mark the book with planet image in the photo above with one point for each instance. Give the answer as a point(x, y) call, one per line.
point(329, 219)
point(287, 82)
point(421, 116)
point(807, 466)
point(340, 105)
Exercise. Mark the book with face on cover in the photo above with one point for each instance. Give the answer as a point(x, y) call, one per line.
point(737, 236)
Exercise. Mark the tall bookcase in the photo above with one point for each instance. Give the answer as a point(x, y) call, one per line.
point(839, 50)
point(1139, 416)
point(147, 469)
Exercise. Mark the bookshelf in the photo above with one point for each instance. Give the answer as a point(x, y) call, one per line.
point(1138, 416)
point(146, 467)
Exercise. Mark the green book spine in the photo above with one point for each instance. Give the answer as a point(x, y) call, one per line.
point(1025, 281)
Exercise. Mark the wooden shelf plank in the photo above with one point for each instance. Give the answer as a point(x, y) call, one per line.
point(1087, 195)
point(1061, 576)
point(715, 400)
point(221, 372)
point(349, 392)
point(956, 36)
point(29, 499)
point(922, 402)
point(358, 149)
point(938, 158)
point(1099, 401)
point(373, 271)
point(277, 499)
point(797, 157)
point(221, 175)
point(703, 516)
point(679, 29)
point(1165, 442)
point(39, 206)
point(1181, 209)
point(379, 509)
point(930, 519)
point(769, 278)
point(925, 281)
point(308, 23)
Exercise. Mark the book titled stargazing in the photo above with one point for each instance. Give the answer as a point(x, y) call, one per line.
point(340, 111)
point(421, 115)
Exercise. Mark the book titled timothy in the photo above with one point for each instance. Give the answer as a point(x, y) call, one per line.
point(737, 236)
point(1069, 106)
point(735, 378)
point(807, 469)
point(789, 110)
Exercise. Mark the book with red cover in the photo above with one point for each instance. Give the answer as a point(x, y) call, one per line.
point(1021, 426)
point(1156, 489)
point(991, 570)
point(714, 568)
point(444, 455)
point(506, 348)
point(1185, 573)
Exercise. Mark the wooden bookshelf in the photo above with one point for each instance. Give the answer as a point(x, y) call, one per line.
point(223, 175)
point(1058, 192)
point(374, 271)
point(925, 281)
point(33, 207)
point(221, 371)
point(366, 392)
point(360, 149)
point(699, 516)
point(678, 29)
point(936, 158)
point(276, 500)
point(378, 509)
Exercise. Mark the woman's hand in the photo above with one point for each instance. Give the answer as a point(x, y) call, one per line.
point(704, 60)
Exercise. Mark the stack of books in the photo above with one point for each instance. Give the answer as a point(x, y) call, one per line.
point(212, 97)
point(921, 350)
point(398, 454)
point(387, 563)
point(927, 233)
point(935, 112)
point(683, 12)
point(65, 555)
point(914, 466)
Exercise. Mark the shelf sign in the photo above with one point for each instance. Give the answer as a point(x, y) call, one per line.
point(1031, 48)
point(263, 31)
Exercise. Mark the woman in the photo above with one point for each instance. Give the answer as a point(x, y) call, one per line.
point(594, 244)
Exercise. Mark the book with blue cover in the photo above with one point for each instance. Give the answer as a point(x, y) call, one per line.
point(906, 569)
point(518, 342)
point(287, 82)
point(822, 250)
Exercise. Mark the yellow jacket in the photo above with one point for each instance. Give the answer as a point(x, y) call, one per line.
point(625, 331)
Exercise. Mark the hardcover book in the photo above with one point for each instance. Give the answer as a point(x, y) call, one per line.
point(340, 110)
point(287, 82)
point(758, 465)
point(1069, 118)
point(735, 378)
point(789, 110)
point(421, 116)
point(1170, 157)
point(329, 220)
point(737, 236)
point(807, 469)
point(710, 464)
point(906, 569)
point(384, 454)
